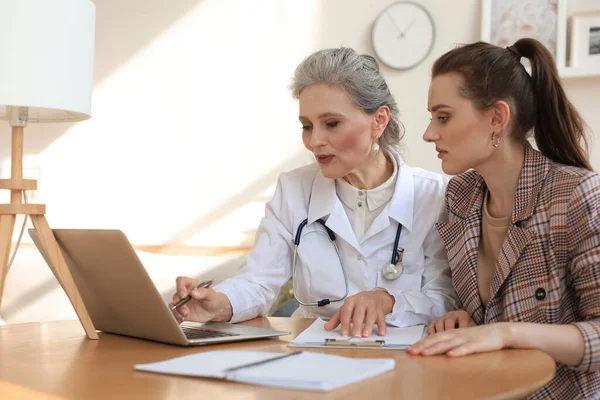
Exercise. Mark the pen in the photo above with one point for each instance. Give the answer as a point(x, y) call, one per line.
point(187, 298)
point(261, 362)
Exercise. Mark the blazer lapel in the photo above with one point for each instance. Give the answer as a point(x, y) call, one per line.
point(461, 240)
point(516, 240)
point(534, 171)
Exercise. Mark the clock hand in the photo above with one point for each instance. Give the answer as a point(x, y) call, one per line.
point(394, 23)
point(403, 33)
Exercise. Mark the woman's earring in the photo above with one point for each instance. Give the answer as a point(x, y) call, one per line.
point(375, 147)
point(495, 142)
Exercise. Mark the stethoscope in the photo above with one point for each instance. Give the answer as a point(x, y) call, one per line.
point(389, 271)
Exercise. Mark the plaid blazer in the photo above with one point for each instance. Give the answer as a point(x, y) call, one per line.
point(548, 270)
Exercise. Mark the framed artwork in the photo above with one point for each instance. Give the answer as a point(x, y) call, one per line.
point(503, 22)
point(584, 42)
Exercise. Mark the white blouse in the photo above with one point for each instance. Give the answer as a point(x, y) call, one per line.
point(363, 206)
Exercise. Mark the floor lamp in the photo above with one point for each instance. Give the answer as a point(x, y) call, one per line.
point(46, 75)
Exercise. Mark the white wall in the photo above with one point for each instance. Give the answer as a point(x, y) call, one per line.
point(584, 92)
point(192, 119)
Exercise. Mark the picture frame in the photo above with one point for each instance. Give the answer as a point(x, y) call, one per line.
point(584, 41)
point(503, 22)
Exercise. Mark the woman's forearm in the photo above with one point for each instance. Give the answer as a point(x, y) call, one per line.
point(564, 343)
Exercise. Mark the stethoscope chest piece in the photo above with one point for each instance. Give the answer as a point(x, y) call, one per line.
point(393, 271)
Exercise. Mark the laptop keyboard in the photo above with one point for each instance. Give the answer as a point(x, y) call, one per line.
point(201, 333)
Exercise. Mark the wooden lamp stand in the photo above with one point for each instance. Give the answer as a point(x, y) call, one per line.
point(8, 212)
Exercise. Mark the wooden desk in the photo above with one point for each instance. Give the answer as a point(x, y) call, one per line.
point(56, 359)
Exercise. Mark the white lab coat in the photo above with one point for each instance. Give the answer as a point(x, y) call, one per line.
point(423, 292)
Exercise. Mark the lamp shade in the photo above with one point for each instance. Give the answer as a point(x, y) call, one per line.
point(47, 58)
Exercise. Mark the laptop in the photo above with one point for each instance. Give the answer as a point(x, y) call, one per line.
point(121, 298)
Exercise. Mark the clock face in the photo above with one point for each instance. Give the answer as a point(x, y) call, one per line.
point(403, 35)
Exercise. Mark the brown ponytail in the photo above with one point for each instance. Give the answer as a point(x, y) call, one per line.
point(492, 73)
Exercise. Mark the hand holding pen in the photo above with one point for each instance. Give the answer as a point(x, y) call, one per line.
point(187, 298)
point(197, 302)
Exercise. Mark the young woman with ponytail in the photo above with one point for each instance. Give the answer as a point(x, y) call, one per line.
point(523, 237)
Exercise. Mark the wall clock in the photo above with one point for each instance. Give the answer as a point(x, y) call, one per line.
point(403, 35)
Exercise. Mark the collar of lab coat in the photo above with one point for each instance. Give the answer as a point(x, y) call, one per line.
point(324, 203)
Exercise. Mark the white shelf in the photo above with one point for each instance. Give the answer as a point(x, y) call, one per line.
point(578, 72)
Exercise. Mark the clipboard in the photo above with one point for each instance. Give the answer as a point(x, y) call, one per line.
point(395, 339)
point(353, 343)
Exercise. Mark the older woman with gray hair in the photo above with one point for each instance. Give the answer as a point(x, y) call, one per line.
point(356, 229)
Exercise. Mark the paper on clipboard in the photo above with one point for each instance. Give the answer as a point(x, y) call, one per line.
point(395, 338)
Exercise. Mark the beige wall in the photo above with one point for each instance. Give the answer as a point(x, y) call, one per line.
point(192, 120)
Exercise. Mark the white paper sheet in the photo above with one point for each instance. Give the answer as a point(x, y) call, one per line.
point(395, 337)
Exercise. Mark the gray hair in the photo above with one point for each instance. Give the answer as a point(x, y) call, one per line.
point(359, 76)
